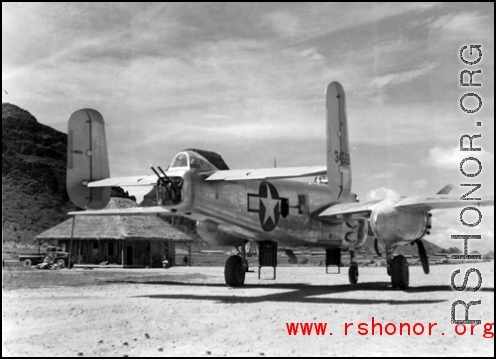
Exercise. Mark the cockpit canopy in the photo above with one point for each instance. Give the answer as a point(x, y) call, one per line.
point(190, 160)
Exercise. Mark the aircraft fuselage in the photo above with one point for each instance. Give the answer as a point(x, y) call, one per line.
point(277, 210)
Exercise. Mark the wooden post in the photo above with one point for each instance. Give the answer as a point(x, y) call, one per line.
point(189, 252)
point(123, 246)
point(70, 242)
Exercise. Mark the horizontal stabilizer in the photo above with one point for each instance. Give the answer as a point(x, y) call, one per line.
point(124, 211)
point(267, 173)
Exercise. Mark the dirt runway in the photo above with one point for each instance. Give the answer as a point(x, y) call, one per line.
point(190, 312)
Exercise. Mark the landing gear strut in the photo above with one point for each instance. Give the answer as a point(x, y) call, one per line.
point(353, 270)
point(236, 268)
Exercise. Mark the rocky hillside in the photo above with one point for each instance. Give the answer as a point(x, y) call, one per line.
point(431, 248)
point(34, 196)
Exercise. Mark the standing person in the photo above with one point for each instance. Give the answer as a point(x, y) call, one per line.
point(185, 260)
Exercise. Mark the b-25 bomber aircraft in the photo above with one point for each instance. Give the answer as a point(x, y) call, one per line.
point(263, 206)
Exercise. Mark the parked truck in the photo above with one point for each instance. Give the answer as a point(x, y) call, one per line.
point(61, 258)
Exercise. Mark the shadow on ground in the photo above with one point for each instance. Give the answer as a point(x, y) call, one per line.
point(303, 293)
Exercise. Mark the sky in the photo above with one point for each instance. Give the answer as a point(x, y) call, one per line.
point(247, 81)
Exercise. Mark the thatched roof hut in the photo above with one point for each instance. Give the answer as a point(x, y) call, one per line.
point(130, 231)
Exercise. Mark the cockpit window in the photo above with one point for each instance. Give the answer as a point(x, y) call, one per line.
point(192, 160)
point(181, 160)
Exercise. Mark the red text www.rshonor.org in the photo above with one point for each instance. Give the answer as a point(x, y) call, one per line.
point(388, 329)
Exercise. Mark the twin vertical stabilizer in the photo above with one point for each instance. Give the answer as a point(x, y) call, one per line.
point(338, 154)
point(87, 159)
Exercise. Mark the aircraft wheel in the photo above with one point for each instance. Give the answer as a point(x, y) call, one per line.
point(27, 263)
point(399, 272)
point(353, 273)
point(234, 271)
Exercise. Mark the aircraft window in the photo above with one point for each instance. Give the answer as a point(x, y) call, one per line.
point(302, 203)
point(197, 162)
point(181, 160)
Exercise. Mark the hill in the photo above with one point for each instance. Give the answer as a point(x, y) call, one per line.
point(34, 196)
point(412, 250)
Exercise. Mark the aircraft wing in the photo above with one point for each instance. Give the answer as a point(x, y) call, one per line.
point(124, 211)
point(267, 173)
point(125, 181)
point(438, 202)
point(147, 180)
point(426, 203)
point(355, 209)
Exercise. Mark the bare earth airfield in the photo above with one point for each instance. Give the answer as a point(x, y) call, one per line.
point(190, 311)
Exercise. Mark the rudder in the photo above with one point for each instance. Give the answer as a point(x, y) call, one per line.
point(338, 154)
point(87, 159)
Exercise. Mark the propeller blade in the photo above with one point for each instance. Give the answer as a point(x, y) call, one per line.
point(423, 256)
point(376, 247)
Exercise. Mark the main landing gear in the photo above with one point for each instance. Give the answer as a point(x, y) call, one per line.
point(397, 268)
point(353, 269)
point(236, 268)
point(333, 257)
point(235, 271)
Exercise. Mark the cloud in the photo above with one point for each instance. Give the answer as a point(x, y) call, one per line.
point(380, 193)
point(446, 223)
point(450, 158)
point(422, 183)
point(401, 77)
point(284, 23)
point(463, 23)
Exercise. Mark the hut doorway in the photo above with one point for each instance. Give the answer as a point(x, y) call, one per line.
point(129, 255)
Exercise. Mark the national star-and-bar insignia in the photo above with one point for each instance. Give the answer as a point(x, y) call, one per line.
point(268, 205)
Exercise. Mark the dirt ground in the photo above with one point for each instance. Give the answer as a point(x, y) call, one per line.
point(190, 312)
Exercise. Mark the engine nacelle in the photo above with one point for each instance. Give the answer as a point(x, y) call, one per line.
point(347, 234)
point(398, 225)
point(210, 232)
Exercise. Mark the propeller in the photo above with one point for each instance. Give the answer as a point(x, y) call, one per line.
point(423, 255)
point(376, 247)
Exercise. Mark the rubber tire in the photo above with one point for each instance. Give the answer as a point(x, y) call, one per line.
point(234, 273)
point(27, 263)
point(400, 276)
point(61, 263)
point(353, 273)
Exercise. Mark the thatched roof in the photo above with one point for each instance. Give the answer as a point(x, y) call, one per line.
point(116, 227)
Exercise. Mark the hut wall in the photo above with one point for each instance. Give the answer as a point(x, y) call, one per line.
point(95, 251)
point(153, 252)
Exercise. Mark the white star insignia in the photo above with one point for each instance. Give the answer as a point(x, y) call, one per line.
point(270, 205)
